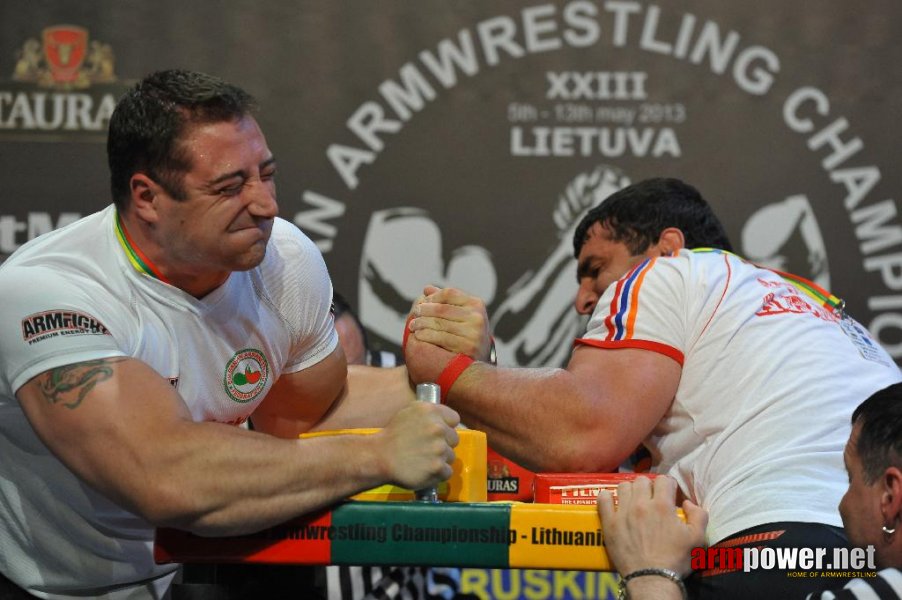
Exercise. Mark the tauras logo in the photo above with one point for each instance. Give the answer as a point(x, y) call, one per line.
point(503, 484)
point(65, 58)
point(53, 75)
point(60, 322)
point(39, 111)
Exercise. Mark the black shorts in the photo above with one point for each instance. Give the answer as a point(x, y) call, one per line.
point(736, 584)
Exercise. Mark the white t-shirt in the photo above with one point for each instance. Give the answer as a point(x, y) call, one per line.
point(73, 295)
point(769, 381)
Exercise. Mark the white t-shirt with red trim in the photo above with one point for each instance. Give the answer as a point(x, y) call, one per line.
point(71, 296)
point(769, 381)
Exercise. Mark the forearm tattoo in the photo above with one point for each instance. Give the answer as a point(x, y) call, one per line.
point(70, 384)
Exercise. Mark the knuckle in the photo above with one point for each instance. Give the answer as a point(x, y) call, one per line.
point(433, 430)
point(422, 335)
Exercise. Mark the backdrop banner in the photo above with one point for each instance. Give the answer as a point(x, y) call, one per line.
point(457, 143)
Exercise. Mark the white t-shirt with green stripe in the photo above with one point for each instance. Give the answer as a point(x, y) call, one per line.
point(73, 295)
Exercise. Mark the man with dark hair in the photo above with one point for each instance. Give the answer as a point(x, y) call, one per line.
point(872, 507)
point(637, 214)
point(738, 379)
point(635, 217)
point(146, 130)
point(136, 339)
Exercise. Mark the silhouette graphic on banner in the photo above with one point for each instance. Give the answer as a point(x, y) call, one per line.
point(534, 323)
point(779, 232)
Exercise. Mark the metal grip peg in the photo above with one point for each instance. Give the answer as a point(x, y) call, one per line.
point(432, 393)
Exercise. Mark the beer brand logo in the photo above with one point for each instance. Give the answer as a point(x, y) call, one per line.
point(55, 323)
point(246, 375)
point(499, 479)
point(65, 58)
point(498, 469)
point(63, 82)
point(505, 485)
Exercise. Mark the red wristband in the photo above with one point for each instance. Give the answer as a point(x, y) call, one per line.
point(406, 333)
point(451, 372)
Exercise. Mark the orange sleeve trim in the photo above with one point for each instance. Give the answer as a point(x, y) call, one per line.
point(668, 351)
point(634, 299)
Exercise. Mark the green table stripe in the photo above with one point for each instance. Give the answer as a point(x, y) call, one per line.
point(415, 533)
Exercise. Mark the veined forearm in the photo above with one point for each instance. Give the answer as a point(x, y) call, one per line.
point(237, 481)
point(541, 418)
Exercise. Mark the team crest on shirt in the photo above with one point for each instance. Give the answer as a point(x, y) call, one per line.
point(246, 375)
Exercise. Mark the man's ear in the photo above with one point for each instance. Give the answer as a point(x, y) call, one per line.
point(891, 496)
point(143, 194)
point(671, 240)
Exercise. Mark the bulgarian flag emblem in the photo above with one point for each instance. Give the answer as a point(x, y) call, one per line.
point(246, 375)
